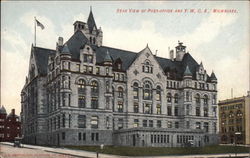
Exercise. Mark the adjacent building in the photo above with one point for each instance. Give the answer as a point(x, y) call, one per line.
point(84, 93)
point(10, 125)
point(234, 120)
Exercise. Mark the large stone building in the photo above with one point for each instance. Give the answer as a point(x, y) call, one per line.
point(234, 120)
point(84, 93)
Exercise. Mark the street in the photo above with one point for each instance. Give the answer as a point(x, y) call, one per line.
point(7, 151)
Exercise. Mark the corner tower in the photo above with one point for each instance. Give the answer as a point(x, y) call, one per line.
point(90, 30)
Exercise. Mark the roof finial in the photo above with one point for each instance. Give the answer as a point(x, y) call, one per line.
point(147, 45)
point(91, 8)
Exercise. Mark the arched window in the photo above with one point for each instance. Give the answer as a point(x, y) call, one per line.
point(205, 100)
point(90, 39)
point(147, 90)
point(94, 40)
point(94, 88)
point(197, 99)
point(158, 93)
point(169, 97)
point(81, 86)
point(120, 92)
point(147, 67)
point(239, 113)
point(136, 90)
point(176, 98)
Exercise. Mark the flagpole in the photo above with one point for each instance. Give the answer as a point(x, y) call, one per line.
point(35, 32)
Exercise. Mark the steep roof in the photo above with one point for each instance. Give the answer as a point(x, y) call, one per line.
point(213, 77)
point(3, 110)
point(41, 57)
point(91, 22)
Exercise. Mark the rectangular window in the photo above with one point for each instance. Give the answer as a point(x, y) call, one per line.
point(136, 123)
point(145, 123)
point(197, 111)
point(78, 67)
point(84, 69)
point(147, 109)
point(136, 107)
point(107, 71)
point(176, 111)
point(63, 135)
point(85, 58)
point(94, 103)
point(92, 136)
point(187, 124)
point(97, 136)
point(94, 122)
point(206, 126)
point(120, 123)
point(151, 123)
point(176, 124)
point(90, 69)
point(120, 106)
point(81, 101)
point(84, 136)
point(205, 112)
point(81, 121)
point(158, 109)
point(79, 136)
point(98, 70)
point(198, 125)
point(169, 124)
point(169, 110)
point(159, 123)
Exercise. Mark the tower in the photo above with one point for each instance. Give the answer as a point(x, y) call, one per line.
point(90, 30)
point(180, 51)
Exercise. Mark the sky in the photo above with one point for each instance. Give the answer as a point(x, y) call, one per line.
point(220, 40)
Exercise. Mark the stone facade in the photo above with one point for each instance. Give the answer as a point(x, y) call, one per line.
point(84, 93)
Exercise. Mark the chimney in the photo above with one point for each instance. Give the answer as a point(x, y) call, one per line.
point(171, 54)
point(13, 111)
point(60, 41)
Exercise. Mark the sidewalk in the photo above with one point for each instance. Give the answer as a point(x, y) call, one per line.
point(88, 154)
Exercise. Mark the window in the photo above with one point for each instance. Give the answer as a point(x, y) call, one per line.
point(81, 86)
point(159, 123)
point(97, 70)
point(135, 90)
point(147, 67)
point(215, 127)
point(107, 71)
point(145, 123)
point(84, 69)
point(120, 123)
point(63, 120)
point(107, 122)
point(95, 136)
point(187, 124)
point(158, 109)
point(147, 90)
point(81, 101)
point(197, 111)
point(205, 100)
point(176, 98)
point(176, 111)
point(94, 103)
point(136, 123)
point(136, 107)
point(90, 69)
point(63, 135)
point(94, 88)
point(78, 67)
point(84, 136)
point(205, 126)
point(81, 121)
point(205, 111)
point(79, 136)
point(176, 125)
point(188, 109)
point(85, 58)
point(158, 93)
point(120, 106)
point(151, 123)
point(187, 96)
point(197, 99)
point(94, 122)
point(169, 124)
point(147, 108)
point(214, 99)
point(169, 97)
point(120, 92)
point(169, 110)
point(198, 125)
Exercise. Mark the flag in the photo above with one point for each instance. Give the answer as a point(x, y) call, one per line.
point(39, 24)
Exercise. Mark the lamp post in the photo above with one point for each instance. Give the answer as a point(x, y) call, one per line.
point(235, 139)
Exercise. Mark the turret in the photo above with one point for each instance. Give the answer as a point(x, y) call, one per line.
point(180, 51)
point(107, 59)
point(187, 73)
point(213, 77)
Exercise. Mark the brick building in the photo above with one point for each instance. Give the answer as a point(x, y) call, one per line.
point(10, 125)
point(84, 93)
point(234, 120)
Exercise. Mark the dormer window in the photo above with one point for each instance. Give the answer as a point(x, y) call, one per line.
point(87, 58)
point(119, 66)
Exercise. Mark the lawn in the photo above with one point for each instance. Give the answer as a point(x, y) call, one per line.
point(160, 151)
